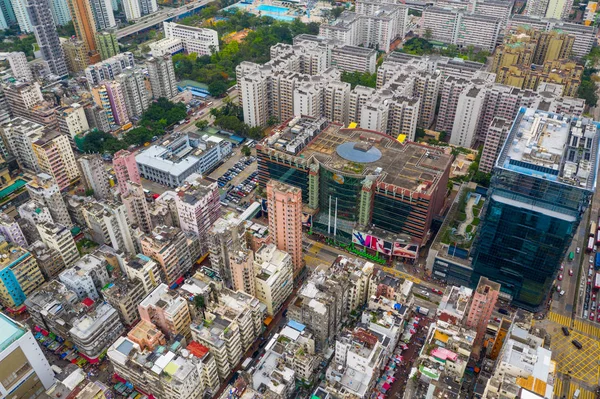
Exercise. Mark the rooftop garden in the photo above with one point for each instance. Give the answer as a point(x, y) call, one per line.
point(463, 220)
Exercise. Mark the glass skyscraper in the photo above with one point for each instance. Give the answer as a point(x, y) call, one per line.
point(541, 186)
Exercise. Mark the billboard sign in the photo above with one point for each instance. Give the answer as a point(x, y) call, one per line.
point(385, 247)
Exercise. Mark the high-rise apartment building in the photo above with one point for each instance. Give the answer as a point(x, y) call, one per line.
point(95, 176)
point(55, 157)
point(116, 98)
point(19, 65)
point(22, 16)
point(461, 28)
point(19, 275)
point(59, 238)
point(46, 36)
point(94, 330)
point(584, 35)
point(10, 230)
point(468, 111)
point(108, 224)
point(23, 96)
point(97, 117)
point(168, 247)
point(125, 169)
point(132, 9)
point(137, 206)
point(49, 260)
point(274, 277)
point(483, 302)
point(494, 141)
point(285, 220)
point(85, 26)
point(45, 190)
point(520, 243)
point(109, 68)
point(86, 277)
point(241, 266)
point(107, 44)
point(76, 55)
point(162, 76)
point(198, 207)
point(225, 238)
point(135, 93)
point(104, 18)
point(72, 120)
point(25, 369)
point(167, 310)
point(60, 12)
point(19, 136)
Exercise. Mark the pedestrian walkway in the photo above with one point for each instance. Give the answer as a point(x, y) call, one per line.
point(587, 328)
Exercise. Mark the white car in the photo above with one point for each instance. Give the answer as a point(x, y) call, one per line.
point(562, 293)
point(591, 259)
point(578, 250)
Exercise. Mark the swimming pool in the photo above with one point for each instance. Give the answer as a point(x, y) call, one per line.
point(285, 18)
point(272, 9)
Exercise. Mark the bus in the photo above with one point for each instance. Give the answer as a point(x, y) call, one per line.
point(590, 245)
point(571, 256)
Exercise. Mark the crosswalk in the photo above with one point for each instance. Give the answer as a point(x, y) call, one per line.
point(567, 389)
point(582, 326)
point(560, 319)
point(588, 328)
point(406, 276)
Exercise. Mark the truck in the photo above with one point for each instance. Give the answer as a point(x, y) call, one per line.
point(422, 310)
point(597, 261)
point(246, 363)
point(597, 281)
point(590, 245)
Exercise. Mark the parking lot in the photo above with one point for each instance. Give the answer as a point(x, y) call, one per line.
point(238, 178)
point(590, 301)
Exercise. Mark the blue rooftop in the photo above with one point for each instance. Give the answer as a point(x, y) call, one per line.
point(296, 326)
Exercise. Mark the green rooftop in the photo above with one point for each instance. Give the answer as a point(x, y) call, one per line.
point(5, 192)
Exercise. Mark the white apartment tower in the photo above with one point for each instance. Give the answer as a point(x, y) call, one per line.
point(44, 190)
point(59, 238)
point(95, 176)
point(468, 112)
point(134, 92)
point(162, 77)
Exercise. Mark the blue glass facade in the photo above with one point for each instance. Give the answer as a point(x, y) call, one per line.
point(530, 219)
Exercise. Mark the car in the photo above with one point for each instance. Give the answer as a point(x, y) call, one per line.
point(558, 288)
point(589, 281)
point(598, 317)
point(593, 305)
point(593, 297)
point(566, 331)
point(592, 316)
point(591, 259)
point(578, 250)
point(570, 272)
point(560, 277)
point(562, 293)
point(562, 267)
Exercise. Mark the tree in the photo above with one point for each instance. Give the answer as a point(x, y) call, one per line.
point(587, 88)
point(272, 121)
point(246, 151)
point(202, 124)
point(360, 78)
point(428, 34)
point(217, 88)
point(417, 46)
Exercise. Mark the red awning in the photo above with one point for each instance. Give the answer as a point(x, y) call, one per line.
point(180, 280)
point(37, 329)
point(119, 378)
point(90, 360)
point(44, 332)
point(386, 386)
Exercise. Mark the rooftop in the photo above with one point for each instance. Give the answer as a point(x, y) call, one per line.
point(11, 255)
point(538, 145)
point(412, 166)
point(10, 331)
